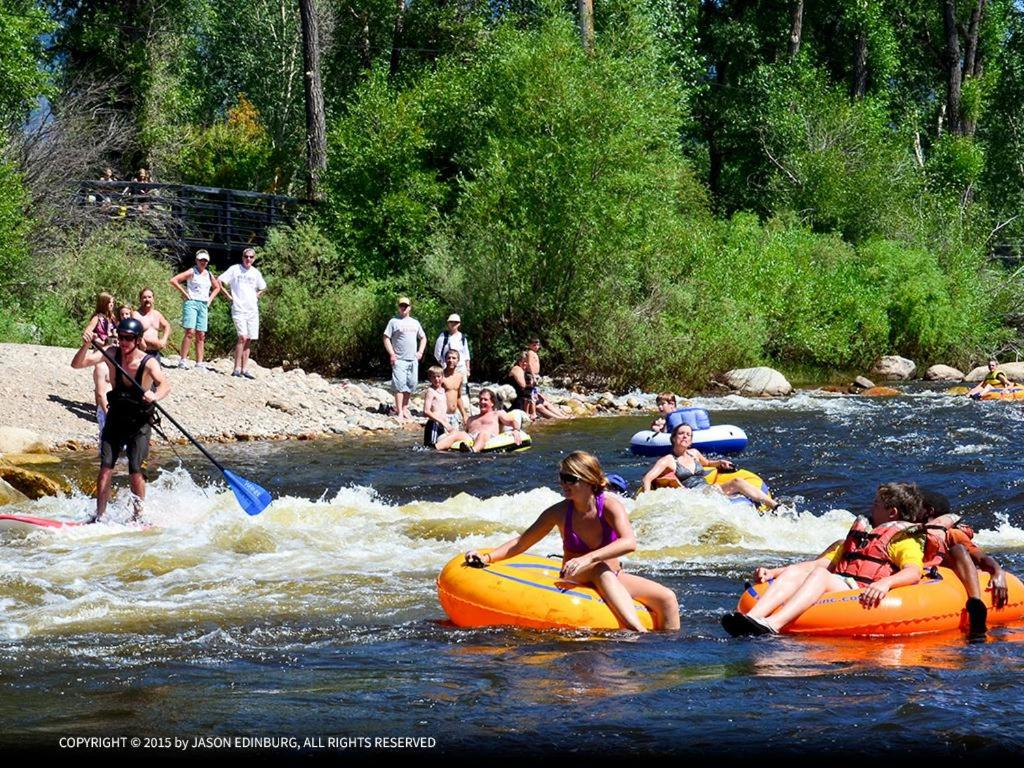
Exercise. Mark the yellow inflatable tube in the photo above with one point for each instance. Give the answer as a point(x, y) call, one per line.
point(523, 591)
point(503, 443)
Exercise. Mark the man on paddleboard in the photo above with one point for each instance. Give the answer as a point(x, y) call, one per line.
point(128, 425)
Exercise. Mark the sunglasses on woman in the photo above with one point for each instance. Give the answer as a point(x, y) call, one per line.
point(568, 479)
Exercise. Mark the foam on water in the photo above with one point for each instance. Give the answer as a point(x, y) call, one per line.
point(201, 563)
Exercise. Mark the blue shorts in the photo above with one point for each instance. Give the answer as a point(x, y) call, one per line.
point(195, 315)
point(404, 375)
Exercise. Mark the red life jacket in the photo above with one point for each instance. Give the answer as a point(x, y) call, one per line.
point(936, 545)
point(866, 555)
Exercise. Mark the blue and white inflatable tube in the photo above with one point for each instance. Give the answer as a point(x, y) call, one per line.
point(719, 438)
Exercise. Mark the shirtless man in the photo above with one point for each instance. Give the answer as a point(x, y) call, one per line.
point(128, 419)
point(439, 432)
point(156, 330)
point(453, 380)
point(488, 422)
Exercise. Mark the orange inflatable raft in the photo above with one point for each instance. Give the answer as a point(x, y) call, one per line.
point(1012, 392)
point(523, 591)
point(931, 605)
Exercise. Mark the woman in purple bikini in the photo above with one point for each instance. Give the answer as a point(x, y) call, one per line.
point(595, 534)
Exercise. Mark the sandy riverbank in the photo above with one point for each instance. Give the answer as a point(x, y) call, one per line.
point(40, 391)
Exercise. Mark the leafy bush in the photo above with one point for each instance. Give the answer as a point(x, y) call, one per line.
point(114, 259)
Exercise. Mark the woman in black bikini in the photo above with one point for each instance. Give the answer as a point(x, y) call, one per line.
point(688, 466)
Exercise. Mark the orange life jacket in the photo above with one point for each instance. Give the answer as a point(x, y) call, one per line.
point(936, 545)
point(865, 555)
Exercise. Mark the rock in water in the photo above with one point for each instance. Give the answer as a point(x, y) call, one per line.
point(943, 373)
point(881, 392)
point(862, 382)
point(758, 382)
point(9, 494)
point(894, 368)
point(32, 484)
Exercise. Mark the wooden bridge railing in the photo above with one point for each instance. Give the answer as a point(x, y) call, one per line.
point(182, 218)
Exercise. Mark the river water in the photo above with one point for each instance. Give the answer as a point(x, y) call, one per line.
point(319, 619)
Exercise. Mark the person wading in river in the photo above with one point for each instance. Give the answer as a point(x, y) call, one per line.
point(128, 424)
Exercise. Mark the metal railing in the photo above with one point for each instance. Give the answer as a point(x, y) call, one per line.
point(182, 217)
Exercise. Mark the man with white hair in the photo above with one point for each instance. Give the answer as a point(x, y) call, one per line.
point(243, 285)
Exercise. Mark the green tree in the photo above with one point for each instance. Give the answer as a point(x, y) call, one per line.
point(22, 27)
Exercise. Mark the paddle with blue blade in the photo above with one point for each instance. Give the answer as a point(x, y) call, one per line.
point(251, 497)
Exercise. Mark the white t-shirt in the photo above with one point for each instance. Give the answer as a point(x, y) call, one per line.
point(198, 285)
point(456, 341)
point(404, 334)
point(243, 284)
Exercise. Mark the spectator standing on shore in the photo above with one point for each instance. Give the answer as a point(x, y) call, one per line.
point(533, 356)
point(156, 329)
point(243, 285)
point(405, 341)
point(103, 326)
point(200, 289)
point(453, 338)
point(103, 322)
point(453, 379)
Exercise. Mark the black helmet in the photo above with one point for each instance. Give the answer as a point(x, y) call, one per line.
point(130, 327)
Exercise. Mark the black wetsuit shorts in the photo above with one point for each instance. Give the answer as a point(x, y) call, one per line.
point(128, 434)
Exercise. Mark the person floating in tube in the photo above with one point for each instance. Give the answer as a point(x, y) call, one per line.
point(950, 544)
point(994, 379)
point(688, 464)
point(595, 533)
point(877, 556)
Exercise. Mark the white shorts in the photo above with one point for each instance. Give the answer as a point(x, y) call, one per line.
point(247, 326)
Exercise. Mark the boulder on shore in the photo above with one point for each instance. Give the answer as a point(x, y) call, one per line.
point(758, 382)
point(862, 382)
point(943, 373)
point(1015, 371)
point(894, 368)
point(18, 440)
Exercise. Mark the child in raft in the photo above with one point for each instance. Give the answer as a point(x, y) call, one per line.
point(950, 544)
point(595, 533)
point(887, 553)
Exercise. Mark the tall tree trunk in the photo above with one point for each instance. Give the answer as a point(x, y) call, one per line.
point(396, 37)
point(953, 73)
point(365, 58)
point(972, 60)
point(860, 66)
point(586, 12)
point(796, 28)
point(316, 123)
